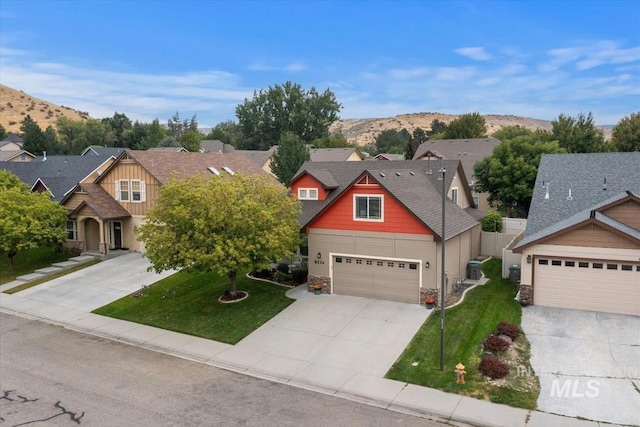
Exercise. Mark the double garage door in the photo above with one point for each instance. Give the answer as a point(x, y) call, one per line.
point(580, 284)
point(394, 280)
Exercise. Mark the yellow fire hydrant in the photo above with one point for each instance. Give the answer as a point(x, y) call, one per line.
point(459, 371)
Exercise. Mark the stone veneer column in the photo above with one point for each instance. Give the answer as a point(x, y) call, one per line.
point(325, 282)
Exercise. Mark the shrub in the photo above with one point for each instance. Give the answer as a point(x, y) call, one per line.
point(492, 221)
point(283, 267)
point(493, 367)
point(281, 277)
point(262, 274)
point(299, 275)
point(495, 343)
point(509, 329)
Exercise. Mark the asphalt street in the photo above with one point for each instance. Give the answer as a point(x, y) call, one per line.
point(53, 376)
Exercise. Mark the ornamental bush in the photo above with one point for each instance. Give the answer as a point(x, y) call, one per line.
point(495, 343)
point(509, 329)
point(493, 367)
point(492, 221)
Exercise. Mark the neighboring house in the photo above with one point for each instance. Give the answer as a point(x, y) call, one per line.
point(468, 151)
point(11, 143)
point(57, 175)
point(581, 246)
point(104, 214)
point(348, 154)
point(262, 158)
point(97, 150)
point(215, 146)
point(169, 149)
point(375, 228)
point(388, 156)
point(15, 156)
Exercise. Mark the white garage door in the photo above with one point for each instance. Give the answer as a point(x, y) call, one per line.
point(377, 278)
point(610, 287)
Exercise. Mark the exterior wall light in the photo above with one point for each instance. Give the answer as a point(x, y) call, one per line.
point(319, 255)
point(528, 259)
point(426, 264)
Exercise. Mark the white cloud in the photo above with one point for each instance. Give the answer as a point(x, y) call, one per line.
point(477, 53)
point(292, 67)
point(452, 73)
point(408, 73)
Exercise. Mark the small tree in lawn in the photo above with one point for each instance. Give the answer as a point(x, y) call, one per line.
point(27, 220)
point(224, 224)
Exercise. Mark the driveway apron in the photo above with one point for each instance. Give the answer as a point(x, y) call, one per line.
point(588, 363)
point(325, 340)
point(98, 285)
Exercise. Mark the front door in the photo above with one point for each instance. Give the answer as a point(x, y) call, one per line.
point(117, 234)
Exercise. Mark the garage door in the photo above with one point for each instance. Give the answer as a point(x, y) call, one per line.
point(376, 278)
point(610, 287)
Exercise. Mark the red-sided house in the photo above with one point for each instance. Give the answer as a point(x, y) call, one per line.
point(375, 228)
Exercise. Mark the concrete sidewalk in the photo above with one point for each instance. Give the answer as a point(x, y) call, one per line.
point(373, 390)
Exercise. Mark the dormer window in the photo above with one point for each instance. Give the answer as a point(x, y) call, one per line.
point(307, 194)
point(368, 208)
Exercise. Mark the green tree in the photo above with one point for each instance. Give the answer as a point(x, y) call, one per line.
point(286, 108)
point(492, 221)
point(508, 175)
point(117, 126)
point(418, 137)
point(437, 127)
point(50, 139)
point(625, 136)
point(225, 224)
point(155, 134)
point(392, 141)
point(334, 140)
point(578, 135)
point(191, 140)
point(511, 132)
point(176, 127)
point(27, 220)
point(228, 132)
point(72, 135)
point(3, 133)
point(292, 153)
point(32, 137)
point(470, 125)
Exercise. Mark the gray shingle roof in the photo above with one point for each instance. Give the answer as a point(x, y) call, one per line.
point(97, 150)
point(584, 175)
point(468, 151)
point(406, 180)
point(12, 137)
point(215, 146)
point(58, 173)
point(331, 154)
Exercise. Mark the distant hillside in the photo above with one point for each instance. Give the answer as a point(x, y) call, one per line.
point(15, 105)
point(365, 131)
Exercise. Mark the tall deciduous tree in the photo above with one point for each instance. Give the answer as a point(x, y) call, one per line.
point(292, 153)
point(27, 220)
point(118, 125)
point(392, 141)
point(228, 132)
point(418, 137)
point(437, 126)
point(286, 108)
point(223, 223)
point(176, 127)
point(508, 175)
point(470, 125)
point(578, 135)
point(625, 136)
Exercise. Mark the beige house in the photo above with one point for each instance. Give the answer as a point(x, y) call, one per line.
point(375, 228)
point(105, 212)
point(468, 151)
point(581, 246)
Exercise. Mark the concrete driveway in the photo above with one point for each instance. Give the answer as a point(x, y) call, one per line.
point(324, 340)
point(98, 285)
point(588, 363)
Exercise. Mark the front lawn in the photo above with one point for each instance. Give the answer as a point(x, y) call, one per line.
point(27, 261)
point(466, 326)
point(187, 302)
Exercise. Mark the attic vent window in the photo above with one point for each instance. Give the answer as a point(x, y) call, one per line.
point(398, 173)
point(228, 170)
point(214, 170)
point(382, 174)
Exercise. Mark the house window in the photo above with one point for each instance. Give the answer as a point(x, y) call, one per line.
point(401, 264)
point(72, 230)
point(543, 261)
point(389, 264)
point(612, 266)
point(583, 264)
point(307, 193)
point(130, 190)
point(338, 259)
point(626, 267)
point(367, 208)
point(379, 263)
point(476, 201)
point(358, 261)
point(556, 262)
point(597, 265)
point(413, 266)
point(369, 262)
point(348, 260)
point(454, 195)
point(569, 263)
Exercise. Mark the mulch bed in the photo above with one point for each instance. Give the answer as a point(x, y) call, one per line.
point(230, 297)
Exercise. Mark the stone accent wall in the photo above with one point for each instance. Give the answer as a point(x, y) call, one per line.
point(526, 294)
point(325, 282)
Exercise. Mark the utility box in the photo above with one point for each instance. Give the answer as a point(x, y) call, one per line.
point(474, 271)
point(514, 273)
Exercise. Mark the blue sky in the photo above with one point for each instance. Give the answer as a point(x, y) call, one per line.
point(152, 58)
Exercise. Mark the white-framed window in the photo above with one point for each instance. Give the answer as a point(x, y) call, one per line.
point(368, 208)
point(307, 193)
point(454, 195)
point(476, 201)
point(133, 190)
point(72, 230)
